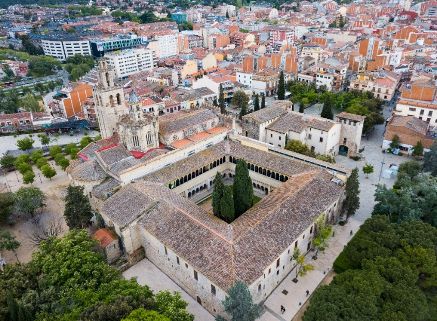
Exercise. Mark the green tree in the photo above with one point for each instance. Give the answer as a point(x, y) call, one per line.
point(55, 150)
point(9, 243)
point(41, 162)
point(322, 234)
point(28, 200)
point(430, 160)
point(35, 155)
point(242, 188)
point(239, 303)
point(418, 149)
point(298, 147)
point(30, 103)
point(172, 306)
point(7, 161)
point(77, 207)
point(145, 315)
point(7, 202)
point(368, 169)
point(23, 167)
point(227, 210)
point(28, 177)
point(281, 86)
point(221, 100)
point(44, 139)
point(263, 101)
point(240, 101)
point(217, 194)
point(302, 268)
point(85, 141)
point(48, 171)
point(256, 103)
point(352, 200)
point(25, 143)
point(395, 142)
point(327, 111)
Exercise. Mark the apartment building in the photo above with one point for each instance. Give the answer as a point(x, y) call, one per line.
point(61, 49)
point(131, 61)
point(382, 84)
point(419, 99)
point(165, 45)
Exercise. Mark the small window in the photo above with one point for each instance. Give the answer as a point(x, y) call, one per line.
point(321, 139)
point(270, 270)
point(279, 137)
point(303, 236)
point(165, 250)
point(213, 291)
point(277, 272)
point(177, 260)
point(277, 262)
point(186, 265)
point(295, 244)
point(195, 275)
point(311, 230)
point(259, 287)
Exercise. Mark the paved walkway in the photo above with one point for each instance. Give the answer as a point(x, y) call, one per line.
point(296, 296)
point(146, 272)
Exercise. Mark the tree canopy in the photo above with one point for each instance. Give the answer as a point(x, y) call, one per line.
point(77, 207)
point(387, 272)
point(68, 279)
point(239, 304)
point(242, 188)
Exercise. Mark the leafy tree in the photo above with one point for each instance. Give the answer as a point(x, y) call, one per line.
point(242, 188)
point(28, 200)
point(28, 177)
point(352, 200)
point(221, 100)
point(41, 162)
point(430, 160)
point(322, 234)
point(368, 169)
point(302, 268)
point(9, 243)
point(418, 149)
point(7, 202)
point(281, 86)
point(35, 155)
point(240, 101)
point(48, 171)
point(239, 303)
point(217, 194)
point(30, 103)
point(77, 207)
point(395, 142)
point(227, 210)
point(172, 306)
point(45, 140)
point(145, 315)
point(298, 147)
point(85, 141)
point(25, 143)
point(263, 101)
point(327, 111)
point(256, 103)
point(42, 66)
point(55, 150)
point(7, 161)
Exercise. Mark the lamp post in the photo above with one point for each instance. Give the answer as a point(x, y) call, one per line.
point(382, 166)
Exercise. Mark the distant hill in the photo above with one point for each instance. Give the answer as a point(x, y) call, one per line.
point(7, 3)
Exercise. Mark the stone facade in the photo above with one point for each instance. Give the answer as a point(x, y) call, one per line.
point(351, 130)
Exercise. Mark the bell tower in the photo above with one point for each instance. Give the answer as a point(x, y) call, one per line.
point(109, 100)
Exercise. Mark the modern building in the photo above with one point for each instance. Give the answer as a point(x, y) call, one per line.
point(61, 49)
point(101, 46)
point(130, 61)
point(165, 45)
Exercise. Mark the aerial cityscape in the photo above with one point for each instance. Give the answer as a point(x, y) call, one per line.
point(201, 160)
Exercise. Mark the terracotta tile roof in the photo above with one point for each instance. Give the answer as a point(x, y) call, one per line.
point(172, 123)
point(297, 122)
point(277, 109)
point(104, 237)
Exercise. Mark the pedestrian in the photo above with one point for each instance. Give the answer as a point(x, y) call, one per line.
point(351, 233)
point(308, 292)
point(282, 309)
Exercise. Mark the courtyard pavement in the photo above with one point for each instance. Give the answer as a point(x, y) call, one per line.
point(296, 296)
point(146, 273)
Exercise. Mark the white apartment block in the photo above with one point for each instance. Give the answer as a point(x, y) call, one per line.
point(62, 49)
point(165, 45)
point(131, 61)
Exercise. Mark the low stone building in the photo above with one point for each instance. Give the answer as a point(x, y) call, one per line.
point(410, 131)
point(108, 241)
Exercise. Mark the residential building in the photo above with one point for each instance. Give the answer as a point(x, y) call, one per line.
point(382, 84)
point(131, 61)
point(61, 49)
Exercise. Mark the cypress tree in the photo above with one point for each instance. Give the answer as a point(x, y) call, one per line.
point(227, 210)
point(281, 86)
point(243, 190)
point(327, 111)
point(12, 307)
point(221, 100)
point(77, 207)
point(352, 200)
point(217, 194)
point(256, 103)
point(301, 108)
point(263, 101)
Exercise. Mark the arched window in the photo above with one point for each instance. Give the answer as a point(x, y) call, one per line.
point(264, 171)
point(282, 178)
point(107, 79)
point(268, 173)
point(252, 167)
point(111, 101)
point(118, 99)
point(277, 176)
point(185, 178)
point(256, 169)
point(189, 176)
